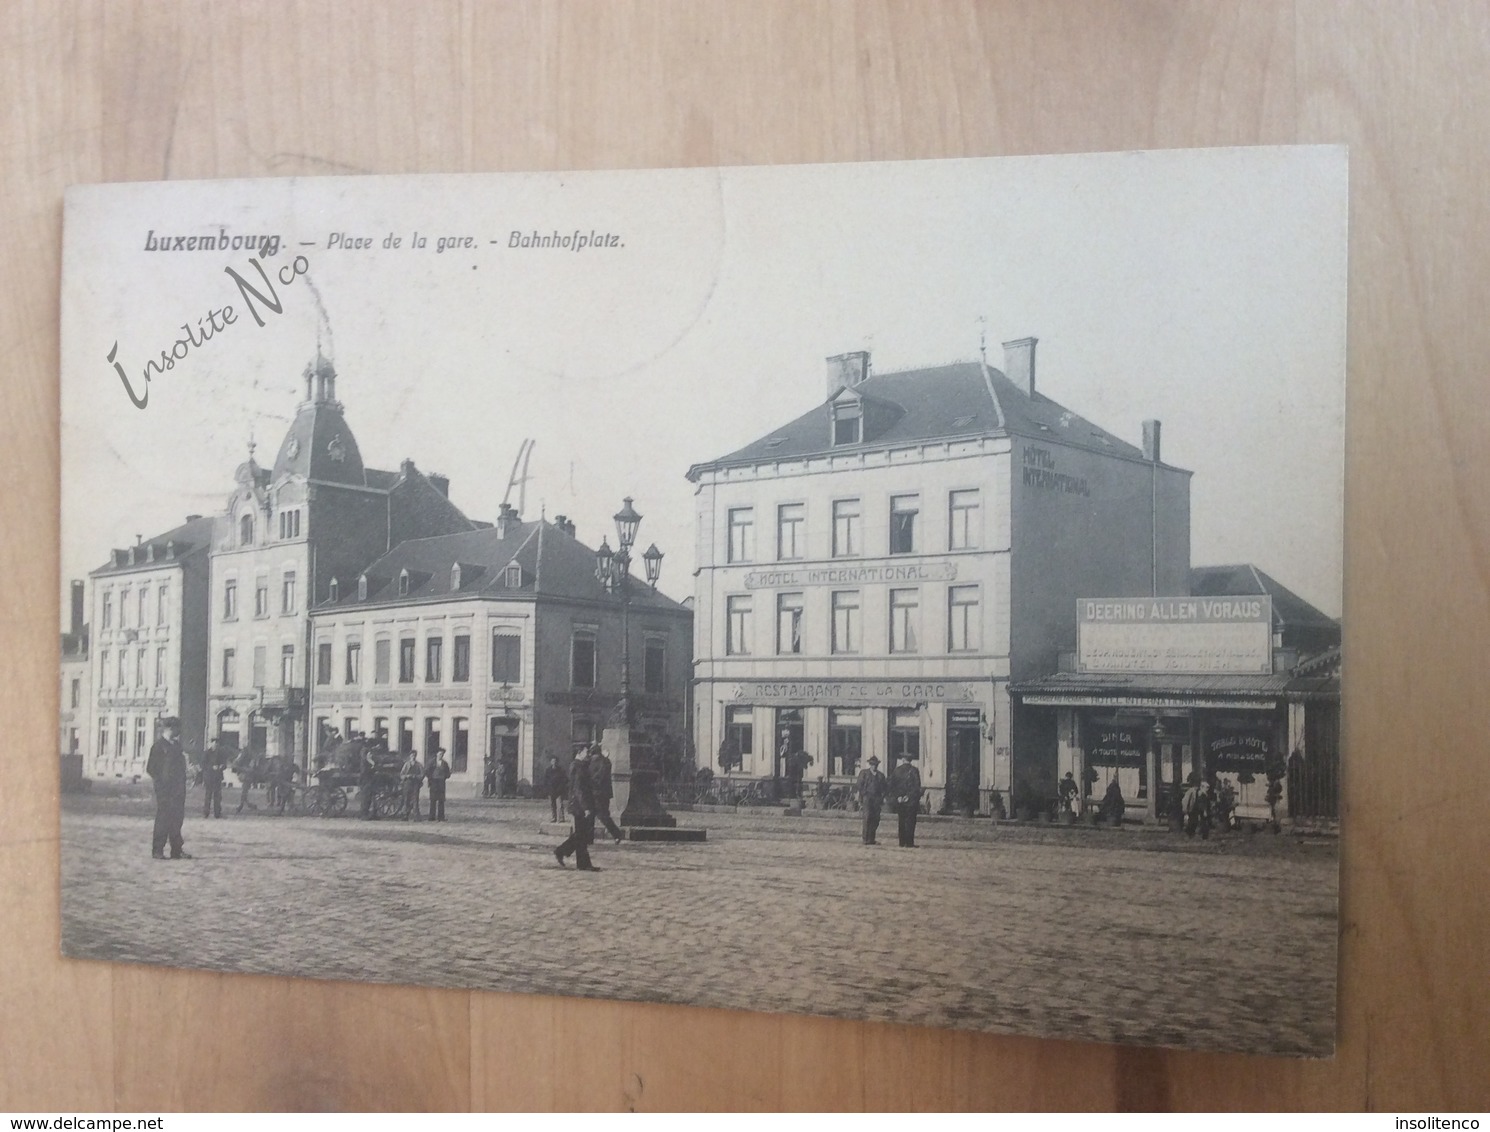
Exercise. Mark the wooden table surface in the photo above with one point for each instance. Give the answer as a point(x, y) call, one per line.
point(150, 90)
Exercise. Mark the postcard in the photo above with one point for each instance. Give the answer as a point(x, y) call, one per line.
point(907, 592)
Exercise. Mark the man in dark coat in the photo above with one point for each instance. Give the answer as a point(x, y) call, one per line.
point(871, 786)
point(439, 771)
point(600, 774)
point(556, 782)
point(582, 806)
point(905, 788)
point(167, 769)
point(213, 762)
point(367, 774)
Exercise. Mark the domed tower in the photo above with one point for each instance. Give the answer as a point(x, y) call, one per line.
point(319, 445)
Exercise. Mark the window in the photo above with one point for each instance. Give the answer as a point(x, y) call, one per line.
point(287, 593)
point(905, 621)
point(72, 740)
point(507, 658)
point(323, 662)
point(122, 674)
point(103, 668)
point(261, 597)
point(582, 659)
point(354, 662)
point(846, 631)
point(460, 745)
point(406, 660)
point(741, 534)
point(382, 651)
point(846, 537)
point(737, 625)
point(120, 736)
point(144, 617)
point(261, 665)
point(349, 726)
point(229, 600)
point(461, 661)
point(903, 510)
point(845, 741)
point(848, 419)
point(289, 523)
point(582, 732)
point(434, 660)
point(380, 728)
point(140, 668)
point(361, 587)
point(962, 619)
point(286, 666)
point(739, 730)
point(163, 605)
point(229, 667)
point(405, 734)
point(323, 732)
point(160, 667)
point(124, 608)
point(108, 610)
point(431, 737)
point(139, 738)
point(788, 624)
point(455, 578)
point(103, 736)
point(654, 666)
point(403, 583)
point(512, 576)
point(791, 519)
point(905, 733)
point(77, 691)
point(246, 531)
point(963, 520)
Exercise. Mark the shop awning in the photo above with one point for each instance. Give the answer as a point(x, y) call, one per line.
point(1154, 690)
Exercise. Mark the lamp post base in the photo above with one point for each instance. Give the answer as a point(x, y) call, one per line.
point(634, 779)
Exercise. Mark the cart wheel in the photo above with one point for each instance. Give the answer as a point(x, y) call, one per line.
point(386, 805)
point(336, 803)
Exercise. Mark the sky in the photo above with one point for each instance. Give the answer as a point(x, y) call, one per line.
point(1205, 288)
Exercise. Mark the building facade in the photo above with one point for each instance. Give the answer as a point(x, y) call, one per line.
point(148, 647)
point(494, 643)
point(317, 516)
point(75, 717)
point(873, 574)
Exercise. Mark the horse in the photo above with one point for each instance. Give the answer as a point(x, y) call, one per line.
point(276, 773)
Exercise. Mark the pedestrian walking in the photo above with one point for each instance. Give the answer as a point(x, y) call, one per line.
point(582, 808)
point(556, 782)
point(439, 771)
point(1197, 809)
point(214, 760)
point(167, 770)
point(412, 778)
point(600, 772)
point(905, 788)
point(872, 786)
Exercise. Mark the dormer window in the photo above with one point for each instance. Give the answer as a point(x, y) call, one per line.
point(335, 593)
point(403, 583)
point(246, 531)
point(848, 422)
point(455, 578)
point(362, 587)
point(512, 576)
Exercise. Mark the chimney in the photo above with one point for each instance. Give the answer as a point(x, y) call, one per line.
point(847, 370)
point(406, 467)
point(441, 483)
point(1151, 442)
point(77, 609)
point(507, 518)
point(1019, 364)
point(565, 524)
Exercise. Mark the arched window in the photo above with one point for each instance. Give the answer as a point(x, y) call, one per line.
point(403, 583)
point(455, 577)
point(246, 531)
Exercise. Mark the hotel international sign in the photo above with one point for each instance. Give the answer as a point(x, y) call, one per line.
point(1215, 635)
point(857, 575)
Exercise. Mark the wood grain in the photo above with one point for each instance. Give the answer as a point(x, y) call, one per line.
point(151, 90)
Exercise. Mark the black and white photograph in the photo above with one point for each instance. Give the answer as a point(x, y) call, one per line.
point(900, 591)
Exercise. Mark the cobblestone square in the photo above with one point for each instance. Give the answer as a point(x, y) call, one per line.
point(1090, 934)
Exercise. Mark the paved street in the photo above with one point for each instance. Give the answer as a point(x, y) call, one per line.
point(1080, 933)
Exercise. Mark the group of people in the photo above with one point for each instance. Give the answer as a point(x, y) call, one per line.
point(902, 788)
point(411, 777)
point(589, 792)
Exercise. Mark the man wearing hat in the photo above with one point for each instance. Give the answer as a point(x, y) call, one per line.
point(582, 806)
point(905, 788)
point(600, 775)
point(167, 770)
point(438, 772)
point(871, 786)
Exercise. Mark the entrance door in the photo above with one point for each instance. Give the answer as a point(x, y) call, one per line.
point(964, 748)
point(502, 746)
point(790, 737)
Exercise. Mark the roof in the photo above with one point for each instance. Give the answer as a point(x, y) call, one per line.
point(566, 570)
point(192, 537)
point(1289, 610)
point(937, 403)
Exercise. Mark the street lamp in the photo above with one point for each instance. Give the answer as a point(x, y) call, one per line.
point(633, 773)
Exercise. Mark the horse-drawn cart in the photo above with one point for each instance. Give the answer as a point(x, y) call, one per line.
point(349, 767)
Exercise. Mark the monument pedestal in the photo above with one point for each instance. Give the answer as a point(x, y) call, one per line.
point(634, 779)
